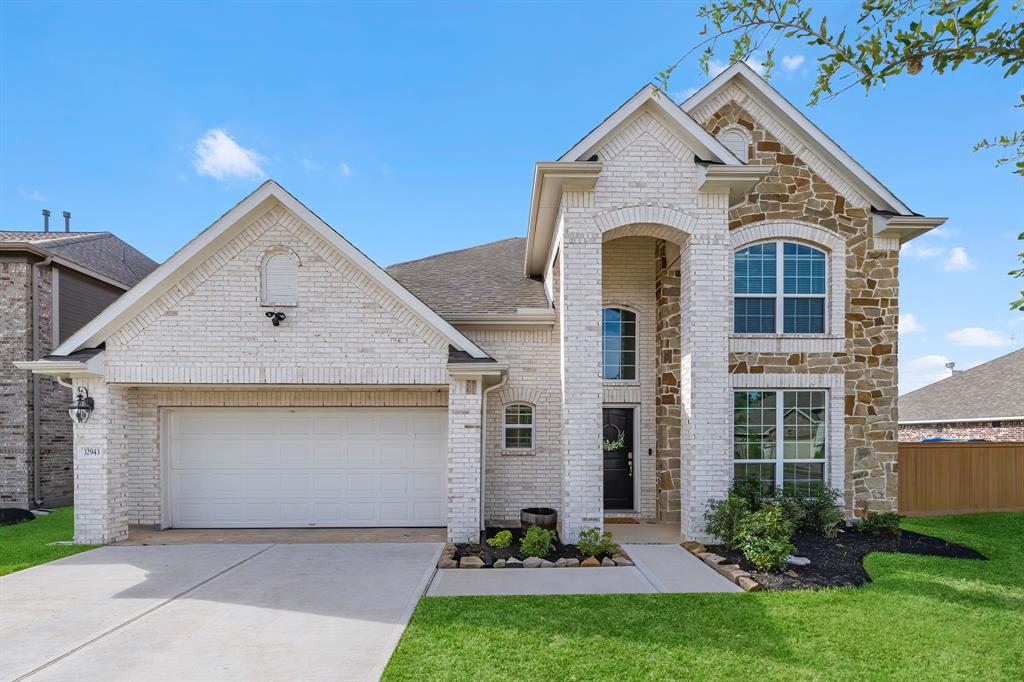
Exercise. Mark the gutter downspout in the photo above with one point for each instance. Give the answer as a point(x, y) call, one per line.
point(36, 482)
point(483, 448)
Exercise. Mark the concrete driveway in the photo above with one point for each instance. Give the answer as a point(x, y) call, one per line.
point(205, 612)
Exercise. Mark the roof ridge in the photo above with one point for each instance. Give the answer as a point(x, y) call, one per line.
point(76, 236)
point(448, 253)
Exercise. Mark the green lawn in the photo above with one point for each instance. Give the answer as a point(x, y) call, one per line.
point(25, 544)
point(923, 618)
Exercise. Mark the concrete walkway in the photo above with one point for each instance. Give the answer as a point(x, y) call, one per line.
point(659, 568)
point(203, 612)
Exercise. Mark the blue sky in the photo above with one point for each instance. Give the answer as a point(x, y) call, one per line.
point(413, 129)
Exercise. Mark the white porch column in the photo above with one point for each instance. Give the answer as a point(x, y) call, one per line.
point(580, 308)
point(706, 448)
point(101, 466)
point(465, 395)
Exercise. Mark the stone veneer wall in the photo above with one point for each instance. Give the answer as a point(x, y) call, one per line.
point(794, 191)
point(996, 430)
point(668, 361)
point(17, 408)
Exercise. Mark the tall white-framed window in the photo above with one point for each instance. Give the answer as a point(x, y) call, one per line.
point(279, 279)
point(518, 426)
point(779, 437)
point(618, 344)
point(779, 287)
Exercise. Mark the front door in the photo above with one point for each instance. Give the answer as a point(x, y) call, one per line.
point(617, 438)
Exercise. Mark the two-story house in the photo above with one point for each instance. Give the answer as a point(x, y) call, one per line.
point(704, 291)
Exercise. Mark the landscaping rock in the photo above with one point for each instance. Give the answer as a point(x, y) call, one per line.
point(711, 559)
point(499, 563)
point(445, 562)
point(567, 563)
point(694, 547)
point(725, 569)
point(471, 562)
point(748, 584)
point(513, 563)
point(622, 561)
point(797, 560)
point(532, 562)
point(590, 562)
point(734, 574)
point(544, 563)
point(607, 563)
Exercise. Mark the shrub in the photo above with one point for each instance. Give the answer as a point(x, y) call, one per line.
point(752, 489)
point(722, 517)
point(763, 537)
point(792, 505)
point(593, 542)
point(883, 524)
point(821, 513)
point(501, 540)
point(537, 542)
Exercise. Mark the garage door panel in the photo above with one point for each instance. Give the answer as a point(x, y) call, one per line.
point(306, 467)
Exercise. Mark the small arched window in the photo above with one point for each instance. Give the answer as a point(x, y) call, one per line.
point(618, 344)
point(736, 142)
point(779, 288)
point(280, 279)
point(517, 425)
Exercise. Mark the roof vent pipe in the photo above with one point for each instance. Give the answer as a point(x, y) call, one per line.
point(46, 220)
point(67, 221)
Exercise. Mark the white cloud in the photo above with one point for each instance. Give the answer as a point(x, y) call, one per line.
point(311, 165)
point(910, 324)
point(716, 67)
point(942, 232)
point(913, 251)
point(685, 94)
point(33, 195)
point(958, 260)
point(1017, 321)
point(792, 62)
point(979, 337)
point(345, 170)
point(219, 156)
point(927, 361)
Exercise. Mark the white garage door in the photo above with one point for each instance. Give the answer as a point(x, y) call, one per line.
point(263, 468)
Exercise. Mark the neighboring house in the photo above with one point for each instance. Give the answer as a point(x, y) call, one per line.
point(690, 275)
point(985, 402)
point(51, 284)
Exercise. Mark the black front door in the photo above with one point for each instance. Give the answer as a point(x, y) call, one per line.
point(618, 458)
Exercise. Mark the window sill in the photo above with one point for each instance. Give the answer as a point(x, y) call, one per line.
point(279, 305)
point(621, 382)
point(786, 343)
point(514, 452)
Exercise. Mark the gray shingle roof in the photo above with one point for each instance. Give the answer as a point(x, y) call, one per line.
point(994, 389)
point(485, 279)
point(101, 252)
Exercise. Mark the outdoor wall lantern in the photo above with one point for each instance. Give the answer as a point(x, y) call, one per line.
point(275, 318)
point(82, 406)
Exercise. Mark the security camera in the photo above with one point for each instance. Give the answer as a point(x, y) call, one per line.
point(276, 318)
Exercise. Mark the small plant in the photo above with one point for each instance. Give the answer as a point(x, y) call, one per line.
point(593, 542)
point(763, 537)
point(723, 516)
point(753, 490)
point(884, 524)
point(537, 542)
point(501, 540)
point(821, 513)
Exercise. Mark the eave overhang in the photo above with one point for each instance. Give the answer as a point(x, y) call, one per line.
point(903, 227)
point(736, 180)
point(550, 180)
point(28, 247)
point(90, 366)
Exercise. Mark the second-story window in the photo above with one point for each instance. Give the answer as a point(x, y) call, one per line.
point(779, 288)
point(618, 344)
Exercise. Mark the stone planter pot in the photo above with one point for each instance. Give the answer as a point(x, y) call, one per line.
point(544, 517)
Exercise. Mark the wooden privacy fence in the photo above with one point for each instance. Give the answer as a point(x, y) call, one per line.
point(960, 478)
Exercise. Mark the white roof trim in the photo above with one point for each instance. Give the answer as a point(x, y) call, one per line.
point(965, 420)
point(815, 137)
point(708, 147)
point(210, 239)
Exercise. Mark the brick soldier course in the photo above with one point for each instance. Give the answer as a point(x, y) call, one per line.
point(645, 213)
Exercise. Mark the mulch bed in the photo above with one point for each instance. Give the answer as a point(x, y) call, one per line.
point(840, 562)
point(490, 554)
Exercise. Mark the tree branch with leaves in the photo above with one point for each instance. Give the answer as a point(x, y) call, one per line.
point(889, 38)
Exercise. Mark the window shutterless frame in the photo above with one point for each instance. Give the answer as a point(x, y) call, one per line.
point(780, 295)
point(521, 426)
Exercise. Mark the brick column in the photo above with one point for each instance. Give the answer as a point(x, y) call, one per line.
point(706, 399)
point(101, 466)
point(580, 312)
point(465, 397)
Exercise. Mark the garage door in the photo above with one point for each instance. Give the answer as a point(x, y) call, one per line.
point(264, 468)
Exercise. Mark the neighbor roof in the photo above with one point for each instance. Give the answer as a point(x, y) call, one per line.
point(994, 390)
point(481, 280)
point(101, 253)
